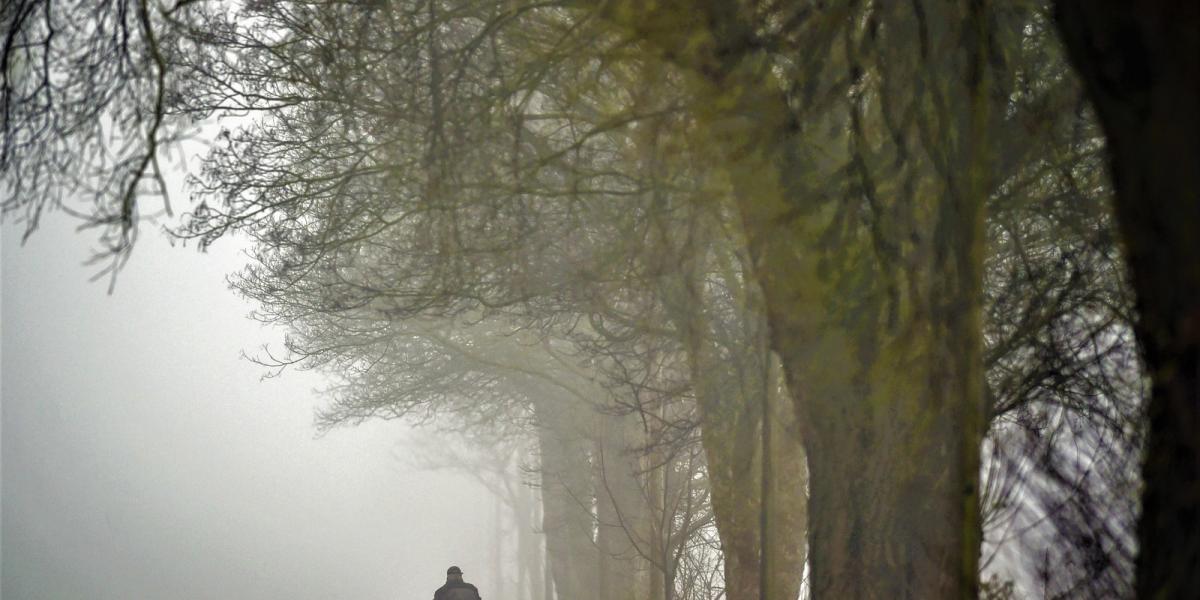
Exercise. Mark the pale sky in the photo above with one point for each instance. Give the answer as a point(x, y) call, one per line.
point(144, 459)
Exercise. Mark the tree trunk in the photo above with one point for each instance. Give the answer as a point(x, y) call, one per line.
point(892, 432)
point(882, 348)
point(528, 551)
point(566, 497)
point(656, 465)
point(620, 507)
point(498, 546)
point(734, 375)
point(891, 414)
point(787, 500)
point(1139, 64)
point(880, 334)
point(731, 441)
point(861, 185)
point(547, 572)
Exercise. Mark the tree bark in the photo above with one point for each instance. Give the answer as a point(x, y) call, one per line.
point(891, 414)
point(893, 446)
point(620, 507)
point(730, 436)
point(861, 187)
point(1140, 68)
point(566, 501)
point(730, 388)
point(879, 335)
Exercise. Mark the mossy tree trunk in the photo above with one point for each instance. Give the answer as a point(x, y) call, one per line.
point(620, 506)
point(861, 186)
point(566, 484)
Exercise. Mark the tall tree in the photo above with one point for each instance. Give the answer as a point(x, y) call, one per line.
point(863, 208)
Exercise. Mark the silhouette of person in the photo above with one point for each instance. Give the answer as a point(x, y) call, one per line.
point(456, 588)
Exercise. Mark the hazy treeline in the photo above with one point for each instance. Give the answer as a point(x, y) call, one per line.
point(740, 299)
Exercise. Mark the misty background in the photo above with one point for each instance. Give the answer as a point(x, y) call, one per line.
point(144, 458)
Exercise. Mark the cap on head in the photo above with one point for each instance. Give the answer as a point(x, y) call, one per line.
point(454, 571)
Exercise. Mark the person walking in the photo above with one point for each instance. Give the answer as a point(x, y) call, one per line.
point(456, 588)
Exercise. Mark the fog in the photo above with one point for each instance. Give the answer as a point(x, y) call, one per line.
point(684, 300)
point(144, 458)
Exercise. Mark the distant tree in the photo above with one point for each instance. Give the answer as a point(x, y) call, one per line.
point(538, 211)
point(505, 464)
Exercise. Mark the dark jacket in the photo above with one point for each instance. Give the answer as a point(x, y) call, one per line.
point(457, 590)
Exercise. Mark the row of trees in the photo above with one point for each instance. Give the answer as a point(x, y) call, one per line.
point(835, 281)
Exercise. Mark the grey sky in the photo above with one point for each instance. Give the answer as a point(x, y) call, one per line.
point(142, 458)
